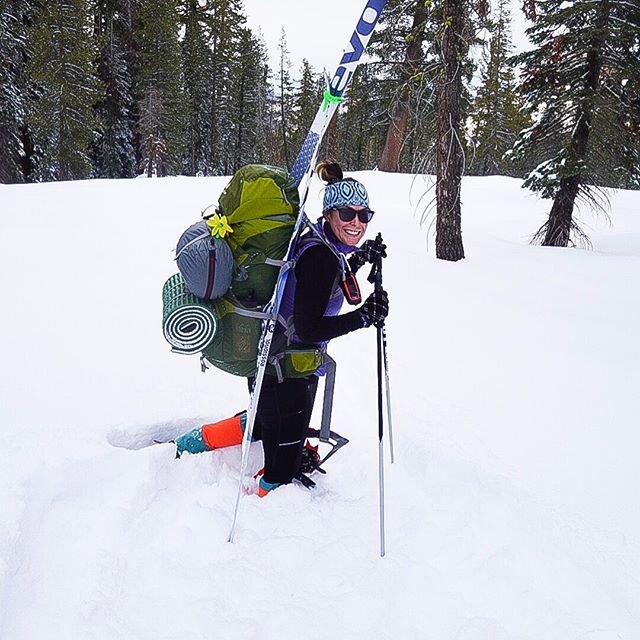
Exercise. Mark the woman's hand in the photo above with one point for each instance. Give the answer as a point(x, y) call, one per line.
point(370, 251)
point(375, 308)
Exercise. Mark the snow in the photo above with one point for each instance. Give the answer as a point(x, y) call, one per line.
point(511, 511)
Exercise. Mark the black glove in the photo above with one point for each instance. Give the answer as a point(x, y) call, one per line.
point(375, 308)
point(370, 251)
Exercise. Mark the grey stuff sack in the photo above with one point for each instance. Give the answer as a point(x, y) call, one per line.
point(206, 263)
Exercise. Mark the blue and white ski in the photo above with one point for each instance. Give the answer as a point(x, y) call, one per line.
point(302, 172)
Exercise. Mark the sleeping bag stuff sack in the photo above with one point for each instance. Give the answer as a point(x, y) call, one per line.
point(205, 262)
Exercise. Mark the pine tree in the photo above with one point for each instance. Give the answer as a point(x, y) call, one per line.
point(160, 101)
point(408, 71)
point(285, 98)
point(362, 121)
point(251, 98)
point(114, 152)
point(582, 83)
point(63, 69)
point(227, 23)
point(497, 115)
point(307, 97)
point(404, 81)
point(457, 35)
point(198, 85)
point(13, 88)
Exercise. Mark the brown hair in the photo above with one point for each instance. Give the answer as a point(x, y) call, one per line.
point(329, 171)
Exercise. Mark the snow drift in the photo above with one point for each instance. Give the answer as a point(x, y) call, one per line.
point(514, 377)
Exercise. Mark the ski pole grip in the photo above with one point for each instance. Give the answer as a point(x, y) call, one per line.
point(375, 276)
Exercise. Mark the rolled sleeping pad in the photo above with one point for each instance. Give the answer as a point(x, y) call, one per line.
point(188, 322)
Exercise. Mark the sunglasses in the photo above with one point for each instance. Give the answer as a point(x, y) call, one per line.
point(347, 214)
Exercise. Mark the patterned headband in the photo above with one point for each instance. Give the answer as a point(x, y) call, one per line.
point(346, 193)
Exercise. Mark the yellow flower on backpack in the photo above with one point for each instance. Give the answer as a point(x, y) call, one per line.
point(219, 226)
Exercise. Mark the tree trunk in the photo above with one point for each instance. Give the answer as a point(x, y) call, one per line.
point(397, 131)
point(396, 134)
point(560, 223)
point(561, 217)
point(26, 159)
point(449, 152)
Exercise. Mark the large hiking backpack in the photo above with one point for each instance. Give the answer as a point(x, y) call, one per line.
point(260, 204)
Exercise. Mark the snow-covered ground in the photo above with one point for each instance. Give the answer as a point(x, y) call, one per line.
point(511, 507)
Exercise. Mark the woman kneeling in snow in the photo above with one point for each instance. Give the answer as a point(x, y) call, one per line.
point(326, 257)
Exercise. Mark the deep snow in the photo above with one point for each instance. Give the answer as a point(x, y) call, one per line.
point(511, 512)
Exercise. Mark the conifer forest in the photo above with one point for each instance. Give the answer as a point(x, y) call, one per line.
point(119, 88)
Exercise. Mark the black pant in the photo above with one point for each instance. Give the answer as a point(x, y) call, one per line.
point(282, 420)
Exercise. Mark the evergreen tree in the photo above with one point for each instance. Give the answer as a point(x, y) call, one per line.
point(615, 144)
point(497, 115)
point(251, 101)
point(227, 24)
point(413, 22)
point(63, 69)
point(114, 152)
point(285, 97)
point(404, 81)
point(362, 121)
point(13, 87)
point(306, 99)
point(160, 101)
point(582, 84)
point(457, 34)
point(198, 86)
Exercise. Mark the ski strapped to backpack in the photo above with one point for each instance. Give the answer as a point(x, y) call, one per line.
point(302, 171)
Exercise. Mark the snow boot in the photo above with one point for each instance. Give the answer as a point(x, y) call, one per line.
point(310, 460)
point(217, 435)
point(265, 487)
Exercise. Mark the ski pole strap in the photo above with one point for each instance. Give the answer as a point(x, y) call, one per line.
point(327, 406)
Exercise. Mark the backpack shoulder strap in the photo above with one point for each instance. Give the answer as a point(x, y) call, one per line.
point(315, 238)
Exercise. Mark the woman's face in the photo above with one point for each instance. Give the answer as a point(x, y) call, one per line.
point(349, 233)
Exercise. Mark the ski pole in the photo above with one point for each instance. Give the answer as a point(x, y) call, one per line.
point(388, 394)
point(380, 444)
point(386, 375)
point(376, 277)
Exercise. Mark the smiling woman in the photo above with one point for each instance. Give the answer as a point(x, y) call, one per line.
point(326, 259)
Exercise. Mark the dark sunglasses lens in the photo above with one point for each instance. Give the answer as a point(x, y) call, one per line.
point(365, 216)
point(347, 214)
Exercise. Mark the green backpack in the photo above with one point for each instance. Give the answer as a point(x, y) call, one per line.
point(261, 205)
